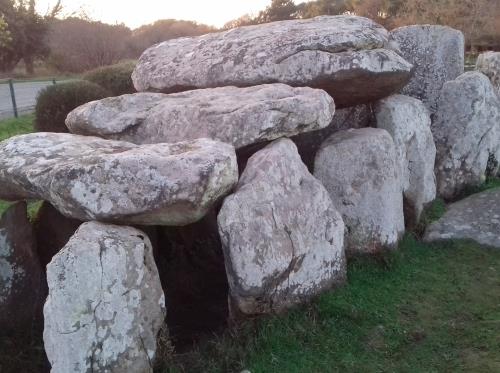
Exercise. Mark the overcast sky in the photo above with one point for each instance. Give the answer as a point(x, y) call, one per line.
point(137, 13)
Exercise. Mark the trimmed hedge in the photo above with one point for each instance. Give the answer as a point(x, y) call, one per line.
point(56, 101)
point(115, 78)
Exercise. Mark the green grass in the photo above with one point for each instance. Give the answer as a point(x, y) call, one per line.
point(16, 126)
point(423, 309)
point(13, 127)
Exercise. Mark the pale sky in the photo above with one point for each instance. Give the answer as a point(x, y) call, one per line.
point(137, 13)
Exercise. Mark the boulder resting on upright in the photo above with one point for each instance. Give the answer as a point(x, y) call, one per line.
point(237, 116)
point(340, 54)
point(88, 178)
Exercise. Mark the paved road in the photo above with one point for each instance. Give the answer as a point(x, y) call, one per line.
point(26, 93)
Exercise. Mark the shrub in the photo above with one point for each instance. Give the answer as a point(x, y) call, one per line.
point(56, 101)
point(117, 79)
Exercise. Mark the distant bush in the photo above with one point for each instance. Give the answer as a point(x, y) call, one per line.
point(117, 79)
point(56, 101)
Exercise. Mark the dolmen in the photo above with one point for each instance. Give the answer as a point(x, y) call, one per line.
point(347, 132)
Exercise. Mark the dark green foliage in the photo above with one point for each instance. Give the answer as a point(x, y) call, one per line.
point(117, 79)
point(56, 101)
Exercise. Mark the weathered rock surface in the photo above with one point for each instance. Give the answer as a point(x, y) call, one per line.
point(341, 54)
point(359, 116)
point(105, 304)
point(409, 123)
point(359, 169)
point(466, 132)
point(489, 64)
point(281, 235)
point(237, 116)
point(88, 178)
point(21, 278)
point(476, 217)
point(437, 52)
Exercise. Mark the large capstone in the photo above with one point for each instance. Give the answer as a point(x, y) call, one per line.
point(437, 52)
point(21, 275)
point(283, 239)
point(341, 54)
point(106, 304)
point(237, 116)
point(489, 64)
point(359, 169)
point(466, 133)
point(475, 218)
point(88, 178)
point(409, 123)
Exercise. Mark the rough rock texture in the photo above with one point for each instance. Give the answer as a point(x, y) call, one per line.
point(466, 132)
point(489, 64)
point(105, 304)
point(341, 54)
point(238, 116)
point(359, 169)
point(282, 238)
point(52, 231)
point(21, 278)
point(437, 52)
point(88, 178)
point(476, 217)
point(409, 123)
point(354, 117)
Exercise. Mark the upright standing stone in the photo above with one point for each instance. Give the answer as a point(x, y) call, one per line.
point(489, 64)
point(466, 129)
point(282, 237)
point(437, 53)
point(340, 54)
point(359, 116)
point(409, 123)
point(358, 167)
point(21, 276)
point(106, 304)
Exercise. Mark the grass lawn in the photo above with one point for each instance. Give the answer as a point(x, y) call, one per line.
point(426, 308)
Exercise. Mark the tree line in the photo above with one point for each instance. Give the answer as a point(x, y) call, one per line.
point(478, 19)
point(77, 43)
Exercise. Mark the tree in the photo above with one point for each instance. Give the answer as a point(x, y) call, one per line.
point(322, 7)
point(279, 10)
point(78, 45)
point(28, 31)
point(5, 38)
point(165, 29)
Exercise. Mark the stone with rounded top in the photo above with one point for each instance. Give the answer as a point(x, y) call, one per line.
point(409, 123)
point(105, 305)
point(359, 169)
point(282, 237)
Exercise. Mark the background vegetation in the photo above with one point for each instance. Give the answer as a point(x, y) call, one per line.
point(77, 43)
